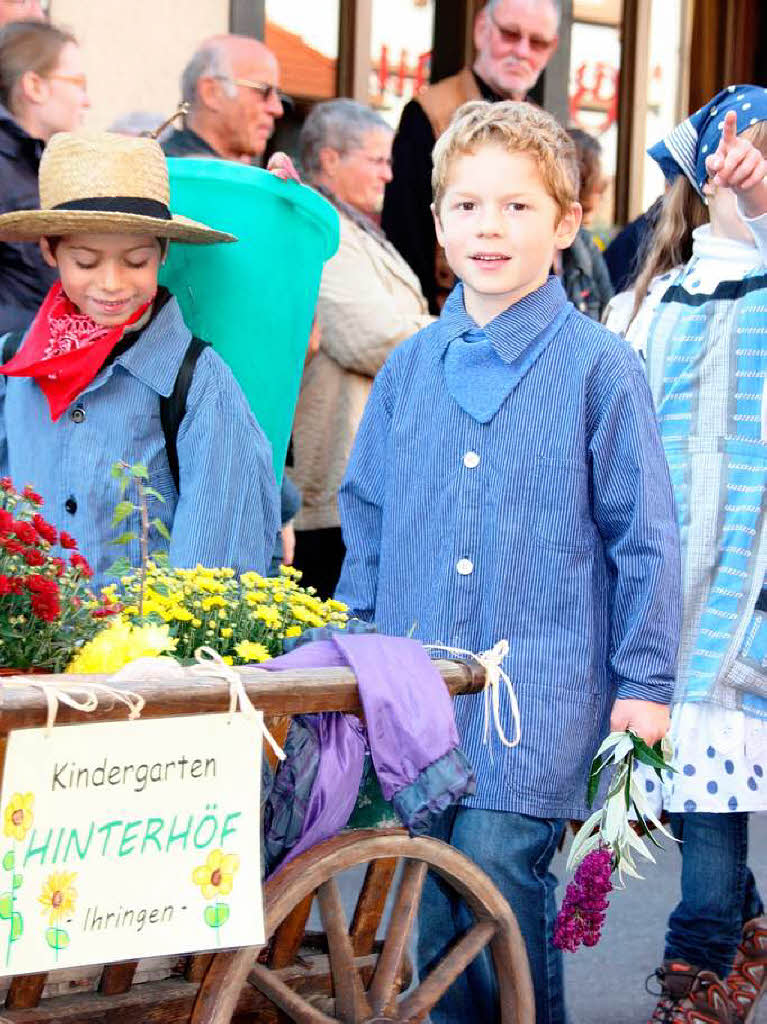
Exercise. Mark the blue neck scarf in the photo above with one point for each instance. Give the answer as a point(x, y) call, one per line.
point(484, 365)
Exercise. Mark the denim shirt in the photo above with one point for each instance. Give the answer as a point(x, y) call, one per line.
point(552, 526)
point(227, 512)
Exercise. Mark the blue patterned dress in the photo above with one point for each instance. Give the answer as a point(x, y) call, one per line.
point(703, 331)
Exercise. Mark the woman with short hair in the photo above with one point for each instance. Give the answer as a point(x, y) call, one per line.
point(370, 300)
point(42, 91)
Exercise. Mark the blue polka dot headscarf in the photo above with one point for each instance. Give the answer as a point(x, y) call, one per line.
point(685, 148)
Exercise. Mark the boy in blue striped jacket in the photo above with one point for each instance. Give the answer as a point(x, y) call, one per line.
point(508, 482)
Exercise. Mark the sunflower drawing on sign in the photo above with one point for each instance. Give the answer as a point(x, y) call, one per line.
point(215, 878)
point(58, 902)
point(17, 821)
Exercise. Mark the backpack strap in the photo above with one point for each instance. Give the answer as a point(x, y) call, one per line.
point(173, 408)
point(11, 345)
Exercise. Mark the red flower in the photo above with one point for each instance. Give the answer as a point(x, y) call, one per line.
point(32, 496)
point(5, 585)
point(78, 562)
point(106, 610)
point(46, 606)
point(6, 520)
point(67, 542)
point(7, 485)
point(44, 528)
point(38, 584)
point(59, 565)
point(17, 584)
point(25, 531)
point(34, 557)
point(13, 547)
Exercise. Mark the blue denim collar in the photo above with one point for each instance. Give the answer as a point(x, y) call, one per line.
point(514, 330)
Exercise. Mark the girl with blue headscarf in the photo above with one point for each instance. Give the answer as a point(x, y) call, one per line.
point(700, 318)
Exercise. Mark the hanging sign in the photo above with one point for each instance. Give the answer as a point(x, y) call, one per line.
point(125, 840)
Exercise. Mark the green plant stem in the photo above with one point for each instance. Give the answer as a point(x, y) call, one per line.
point(144, 542)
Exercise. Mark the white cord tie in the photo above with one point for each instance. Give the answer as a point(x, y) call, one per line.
point(491, 661)
point(210, 663)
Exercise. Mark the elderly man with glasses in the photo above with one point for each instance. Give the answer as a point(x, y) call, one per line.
point(514, 40)
point(231, 87)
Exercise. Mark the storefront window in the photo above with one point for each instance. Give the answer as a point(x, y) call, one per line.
point(595, 60)
point(305, 39)
point(663, 85)
point(401, 41)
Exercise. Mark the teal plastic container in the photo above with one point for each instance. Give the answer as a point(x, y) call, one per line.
point(253, 299)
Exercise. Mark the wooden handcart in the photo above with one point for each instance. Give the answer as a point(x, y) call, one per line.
point(348, 972)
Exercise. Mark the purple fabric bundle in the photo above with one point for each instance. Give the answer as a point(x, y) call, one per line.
point(408, 716)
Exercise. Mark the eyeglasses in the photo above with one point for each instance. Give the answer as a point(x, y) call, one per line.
point(79, 80)
point(514, 37)
point(264, 89)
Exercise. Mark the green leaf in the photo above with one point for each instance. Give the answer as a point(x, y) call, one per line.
point(17, 881)
point(161, 528)
point(217, 915)
point(139, 471)
point(116, 471)
point(119, 568)
point(152, 493)
point(596, 767)
point(17, 926)
point(123, 509)
point(6, 906)
point(644, 829)
point(57, 938)
point(125, 538)
point(9, 861)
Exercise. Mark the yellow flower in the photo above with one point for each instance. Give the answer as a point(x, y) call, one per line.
point(215, 876)
point(227, 631)
point(249, 651)
point(18, 815)
point(293, 631)
point(58, 896)
point(120, 643)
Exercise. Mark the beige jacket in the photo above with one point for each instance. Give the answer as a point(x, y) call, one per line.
point(370, 300)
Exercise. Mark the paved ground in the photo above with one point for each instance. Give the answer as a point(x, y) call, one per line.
point(605, 985)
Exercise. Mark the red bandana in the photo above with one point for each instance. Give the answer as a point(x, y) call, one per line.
point(64, 349)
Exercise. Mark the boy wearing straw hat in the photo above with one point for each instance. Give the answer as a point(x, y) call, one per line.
point(85, 388)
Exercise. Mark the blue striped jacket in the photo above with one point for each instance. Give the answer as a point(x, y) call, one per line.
point(552, 525)
point(227, 513)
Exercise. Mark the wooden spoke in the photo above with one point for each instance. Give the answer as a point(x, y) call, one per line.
point(438, 981)
point(290, 1002)
point(25, 991)
point(384, 985)
point(287, 938)
point(117, 978)
point(371, 902)
point(351, 1004)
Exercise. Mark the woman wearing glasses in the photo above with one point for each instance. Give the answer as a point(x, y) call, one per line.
point(369, 301)
point(42, 91)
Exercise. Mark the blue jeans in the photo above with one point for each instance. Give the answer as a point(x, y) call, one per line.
point(719, 893)
point(515, 851)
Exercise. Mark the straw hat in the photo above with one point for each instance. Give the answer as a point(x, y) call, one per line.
point(100, 182)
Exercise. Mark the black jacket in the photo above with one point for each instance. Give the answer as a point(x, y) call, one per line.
point(25, 278)
point(585, 277)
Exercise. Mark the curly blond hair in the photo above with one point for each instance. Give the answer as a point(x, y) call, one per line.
point(516, 128)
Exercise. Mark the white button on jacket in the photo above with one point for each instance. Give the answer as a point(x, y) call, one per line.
point(465, 566)
point(471, 460)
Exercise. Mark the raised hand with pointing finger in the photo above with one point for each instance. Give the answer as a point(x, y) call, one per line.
point(739, 165)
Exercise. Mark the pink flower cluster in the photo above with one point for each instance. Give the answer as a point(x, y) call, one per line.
point(582, 913)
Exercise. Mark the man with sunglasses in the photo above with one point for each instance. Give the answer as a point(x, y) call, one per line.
point(514, 40)
point(231, 86)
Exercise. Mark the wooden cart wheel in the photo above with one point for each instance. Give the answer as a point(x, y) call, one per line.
point(366, 986)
